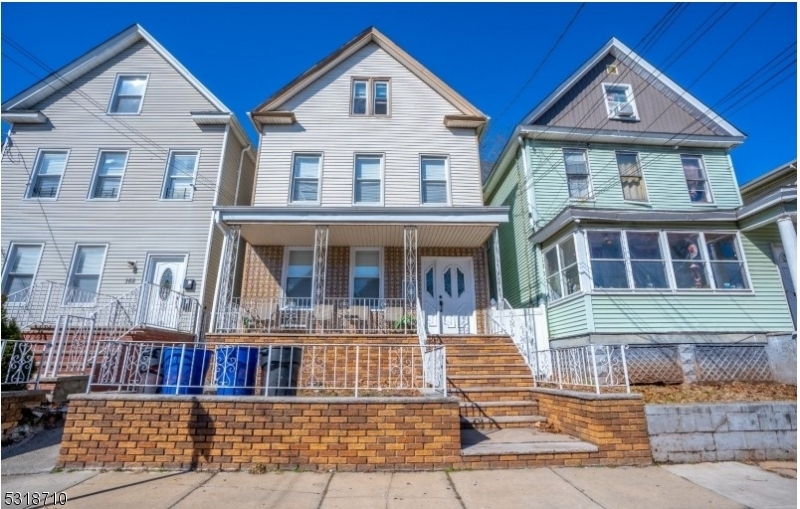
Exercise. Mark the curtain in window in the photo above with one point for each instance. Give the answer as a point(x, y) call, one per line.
point(630, 174)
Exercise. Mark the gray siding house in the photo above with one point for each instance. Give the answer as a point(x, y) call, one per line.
point(110, 172)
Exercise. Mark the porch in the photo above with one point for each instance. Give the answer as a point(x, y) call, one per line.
point(362, 272)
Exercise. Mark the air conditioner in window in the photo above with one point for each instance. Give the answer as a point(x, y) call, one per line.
point(624, 110)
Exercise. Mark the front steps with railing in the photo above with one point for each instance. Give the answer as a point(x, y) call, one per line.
point(491, 379)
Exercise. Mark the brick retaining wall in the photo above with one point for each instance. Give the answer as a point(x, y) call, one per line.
point(614, 422)
point(12, 403)
point(698, 432)
point(232, 433)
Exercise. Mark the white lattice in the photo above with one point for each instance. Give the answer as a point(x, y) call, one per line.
point(654, 364)
point(732, 362)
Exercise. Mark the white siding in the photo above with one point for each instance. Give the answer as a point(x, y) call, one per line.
point(324, 125)
point(139, 223)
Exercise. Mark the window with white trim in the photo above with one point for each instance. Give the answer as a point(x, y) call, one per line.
point(630, 176)
point(47, 174)
point(578, 176)
point(366, 282)
point(561, 270)
point(22, 263)
point(648, 260)
point(433, 176)
point(179, 179)
point(727, 265)
point(299, 273)
point(620, 104)
point(696, 179)
point(108, 174)
point(370, 96)
point(84, 275)
point(367, 179)
point(128, 95)
point(305, 178)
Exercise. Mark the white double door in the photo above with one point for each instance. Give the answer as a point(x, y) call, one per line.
point(448, 295)
point(162, 298)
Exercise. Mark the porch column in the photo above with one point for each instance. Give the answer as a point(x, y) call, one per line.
point(223, 304)
point(411, 274)
point(498, 272)
point(320, 265)
point(789, 241)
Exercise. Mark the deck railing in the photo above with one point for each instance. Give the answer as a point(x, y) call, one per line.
point(593, 367)
point(331, 315)
point(259, 369)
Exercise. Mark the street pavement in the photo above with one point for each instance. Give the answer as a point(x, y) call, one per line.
point(705, 485)
point(26, 468)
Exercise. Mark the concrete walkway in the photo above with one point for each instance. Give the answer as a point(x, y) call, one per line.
point(709, 485)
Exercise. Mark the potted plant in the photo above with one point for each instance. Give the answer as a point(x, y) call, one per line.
point(406, 322)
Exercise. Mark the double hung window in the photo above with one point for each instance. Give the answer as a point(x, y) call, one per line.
point(305, 178)
point(630, 176)
point(561, 270)
point(48, 173)
point(696, 179)
point(21, 265)
point(577, 174)
point(367, 180)
point(108, 175)
point(179, 180)
point(433, 173)
point(84, 276)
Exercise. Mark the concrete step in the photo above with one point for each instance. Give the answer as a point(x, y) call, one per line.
point(519, 444)
point(501, 422)
point(498, 408)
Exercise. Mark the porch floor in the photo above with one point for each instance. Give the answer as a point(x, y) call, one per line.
point(520, 441)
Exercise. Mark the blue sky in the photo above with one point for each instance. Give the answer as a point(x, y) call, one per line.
point(487, 52)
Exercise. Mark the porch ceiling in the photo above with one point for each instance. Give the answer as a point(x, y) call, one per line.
point(366, 235)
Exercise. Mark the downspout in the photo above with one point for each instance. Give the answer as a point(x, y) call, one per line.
point(224, 229)
point(239, 174)
point(528, 180)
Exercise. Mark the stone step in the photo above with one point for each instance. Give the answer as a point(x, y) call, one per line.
point(500, 422)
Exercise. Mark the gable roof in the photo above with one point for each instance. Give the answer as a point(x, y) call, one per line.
point(18, 106)
point(368, 36)
point(650, 74)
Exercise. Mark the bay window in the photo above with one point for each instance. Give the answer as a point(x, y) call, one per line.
point(561, 270)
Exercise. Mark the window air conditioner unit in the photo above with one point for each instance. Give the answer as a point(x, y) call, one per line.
point(624, 110)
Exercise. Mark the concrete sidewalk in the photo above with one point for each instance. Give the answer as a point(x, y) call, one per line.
point(707, 485)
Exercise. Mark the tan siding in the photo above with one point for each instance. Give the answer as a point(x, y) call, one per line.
point(324, 125)
point(139, 223)
point(584, 105)
point(230, 171)
point(247, 180)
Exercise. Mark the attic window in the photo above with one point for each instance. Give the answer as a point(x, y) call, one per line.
point(619, 101)
point(128, 95)
point(370, 97)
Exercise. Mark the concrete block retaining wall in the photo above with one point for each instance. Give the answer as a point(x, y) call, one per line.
point(723, 432)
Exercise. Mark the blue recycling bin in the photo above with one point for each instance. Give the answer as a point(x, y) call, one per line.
point(184, 369)
point(236, 370)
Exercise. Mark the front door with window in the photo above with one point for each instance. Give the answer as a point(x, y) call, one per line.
point(448, 295)
point(162, 297)
point(786, 277)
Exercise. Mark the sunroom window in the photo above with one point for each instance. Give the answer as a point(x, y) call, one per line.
point(688, 262)
point(607, 259)
point(561, 270)
point(727, 265)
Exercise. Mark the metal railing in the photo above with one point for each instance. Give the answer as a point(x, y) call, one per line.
point(332, 315)
point(598, 367)
point(258, 369)
point(508, 321)
point(20, 363)
point(434, 359)
point(146, 304)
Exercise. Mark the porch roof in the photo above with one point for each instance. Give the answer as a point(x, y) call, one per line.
point(365, 226)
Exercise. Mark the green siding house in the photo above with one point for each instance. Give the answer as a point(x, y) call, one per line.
point(627, 223)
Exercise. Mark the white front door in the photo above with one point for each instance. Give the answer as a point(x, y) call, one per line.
point(786, 277)
point(162, 298)
point(448, 295)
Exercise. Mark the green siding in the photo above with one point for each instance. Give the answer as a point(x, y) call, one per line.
point(567, 318)
point(763, 311)
point(515, 253)
point(662, 170)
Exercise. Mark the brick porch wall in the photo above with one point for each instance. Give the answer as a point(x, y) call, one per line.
point(12, 403)
point(263, 265)
point(616, 423)
point(218, 433)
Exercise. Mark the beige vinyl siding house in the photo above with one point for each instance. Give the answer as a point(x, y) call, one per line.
point(142, 212)
point(367, 198)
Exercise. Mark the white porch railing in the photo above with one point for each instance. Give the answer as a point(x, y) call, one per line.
point(19, 366)
point(331, 315)
point(597, 367)
point(434, 359)
point(266, 370)
point(43, 302)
